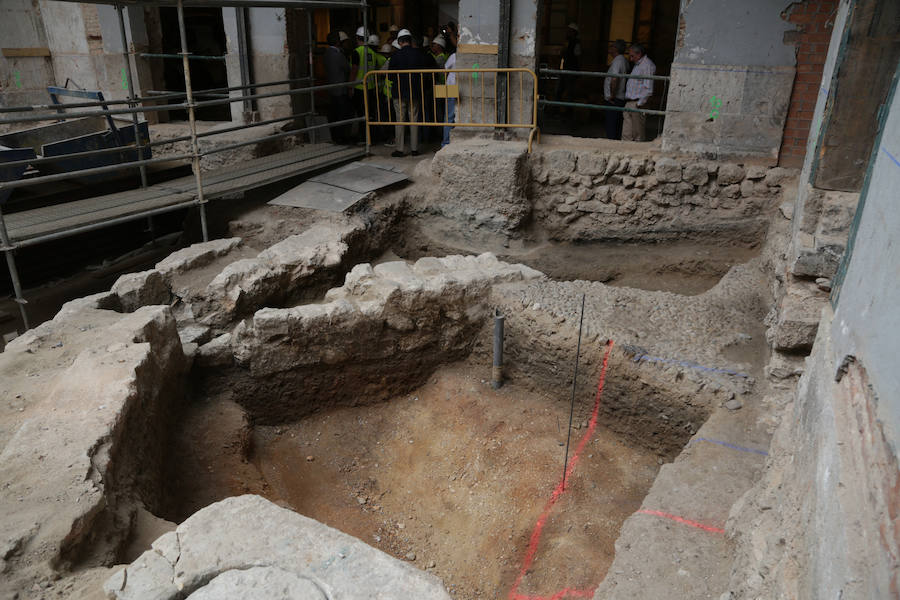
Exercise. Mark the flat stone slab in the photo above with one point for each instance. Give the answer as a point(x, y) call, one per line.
point(360, 177)
point(321, 196)
point(247, 547)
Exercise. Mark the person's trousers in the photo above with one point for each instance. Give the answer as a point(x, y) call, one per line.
point(633, 124)
point(613, 120)
point(339, 109)
point(407, 110)
point(451, 118)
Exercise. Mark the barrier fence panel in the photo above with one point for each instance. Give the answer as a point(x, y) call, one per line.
point(475, 93)
point(603, 107)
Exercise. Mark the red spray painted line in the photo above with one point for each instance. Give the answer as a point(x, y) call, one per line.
point(557, 492)
point(563, 593)
point(683, 521)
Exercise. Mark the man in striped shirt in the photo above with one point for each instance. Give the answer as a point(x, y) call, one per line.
point(637, 92)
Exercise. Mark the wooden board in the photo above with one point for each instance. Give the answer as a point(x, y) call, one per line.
point(22, 52)
point(477, 49)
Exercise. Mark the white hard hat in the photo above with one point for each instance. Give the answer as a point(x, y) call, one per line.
point(403, 32)
point(361, 32)
point(343, 36)
point(439, 40)
point(573, 26)
point(395, 44)
point(385, 49)
point(394, 28)
point(374, 40)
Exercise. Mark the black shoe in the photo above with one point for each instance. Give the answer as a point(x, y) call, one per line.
point(415, 153)
point(398, 154)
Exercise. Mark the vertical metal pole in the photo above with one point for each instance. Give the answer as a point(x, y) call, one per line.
point(503, 63)
point(190, 103)
point(365, 66)
point(497, 369)
point(312, 72)
point(574, 381)
point(126, 55)
point(240, 14)
point(13, 273)
point(131, 95)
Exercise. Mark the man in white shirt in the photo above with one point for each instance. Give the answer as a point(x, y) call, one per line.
point(637, 92)
point(614, 90)
point(451, 102)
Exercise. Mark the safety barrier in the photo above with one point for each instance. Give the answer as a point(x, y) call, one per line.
point(566, 73)
point(488, 98)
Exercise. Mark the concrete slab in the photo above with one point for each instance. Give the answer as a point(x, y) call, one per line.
point(312, 194)
point(360, 177)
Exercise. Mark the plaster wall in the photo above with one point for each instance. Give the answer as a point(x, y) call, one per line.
point(270, 60)
point(867, 316)
point(23, 79)
point(734, 52)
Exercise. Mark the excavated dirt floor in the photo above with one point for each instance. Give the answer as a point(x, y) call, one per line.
point(452, 476)
point(684, 267)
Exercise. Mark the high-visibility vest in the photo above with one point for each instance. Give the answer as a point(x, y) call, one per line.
point(373, 62)
point(388, 84)
point(440, 59)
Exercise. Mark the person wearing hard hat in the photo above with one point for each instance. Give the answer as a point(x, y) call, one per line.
point(362, 60)
point(439, 51)
point(337, 70)
point(569, 61)
point(408, 91)
point(346, 43)
point(388, 87)
point(392, 34)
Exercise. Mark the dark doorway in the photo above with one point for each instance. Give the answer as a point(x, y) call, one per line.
point(205, 38)
point(653, 23)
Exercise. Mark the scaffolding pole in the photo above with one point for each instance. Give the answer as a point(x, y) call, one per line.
point(13, 272)
point(195, 163)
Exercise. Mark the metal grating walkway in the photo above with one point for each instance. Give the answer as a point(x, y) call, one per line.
point(31, 227)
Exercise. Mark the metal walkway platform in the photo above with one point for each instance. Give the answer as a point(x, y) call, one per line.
point(30, 227)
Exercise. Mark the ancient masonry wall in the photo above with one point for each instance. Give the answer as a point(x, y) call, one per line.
point(580, 194)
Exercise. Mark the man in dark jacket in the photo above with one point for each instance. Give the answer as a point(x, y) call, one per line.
point(337, 70)
point(407, 91)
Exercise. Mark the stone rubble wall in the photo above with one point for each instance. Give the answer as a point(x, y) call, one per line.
point(76, 472)
point(266, 552)
point(658, 402)
point(586, 194)
point(379, 335)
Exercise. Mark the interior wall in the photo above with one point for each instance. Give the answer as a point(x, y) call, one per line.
point(731, 53)
point(23, 79)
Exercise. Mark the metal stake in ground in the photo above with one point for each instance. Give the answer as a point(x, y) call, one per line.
point(574, 382)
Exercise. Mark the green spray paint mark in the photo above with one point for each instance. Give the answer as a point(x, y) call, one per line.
point(18, 79)
point(715, 103)
point(124, 80)
point(475, 75)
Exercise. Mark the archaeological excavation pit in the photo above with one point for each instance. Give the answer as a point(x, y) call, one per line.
point(373, 412)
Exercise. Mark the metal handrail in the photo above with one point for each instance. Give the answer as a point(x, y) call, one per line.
point(521, 124)
point(166, 107)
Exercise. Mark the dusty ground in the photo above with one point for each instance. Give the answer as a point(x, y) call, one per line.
point(452, 476)
point(683, 266)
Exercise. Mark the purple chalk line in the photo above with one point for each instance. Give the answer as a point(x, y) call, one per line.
point(732, 446)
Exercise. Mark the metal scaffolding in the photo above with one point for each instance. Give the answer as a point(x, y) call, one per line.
point(31, 227)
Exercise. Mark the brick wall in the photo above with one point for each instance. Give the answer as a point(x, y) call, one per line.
point(814, 20)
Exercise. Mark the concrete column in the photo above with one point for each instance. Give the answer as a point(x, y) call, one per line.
point(270, 61)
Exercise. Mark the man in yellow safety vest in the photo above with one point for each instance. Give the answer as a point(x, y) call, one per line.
point(363, 60)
